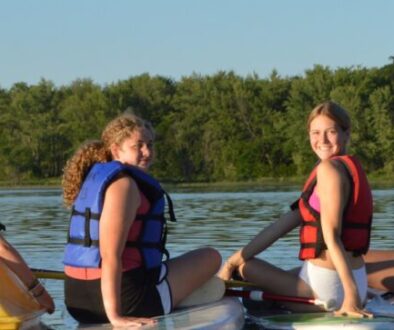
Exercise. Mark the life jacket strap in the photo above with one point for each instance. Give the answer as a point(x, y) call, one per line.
point(166, 253)
point(357, 225)
point(94, 216)
point(170, 207)
point(82, 241)
point(87, 240)
point(310, 223)
point(295, 205)
point(308, 245)
point(320, 246)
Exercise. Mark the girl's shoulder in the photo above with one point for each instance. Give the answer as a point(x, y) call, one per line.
point(332, 170)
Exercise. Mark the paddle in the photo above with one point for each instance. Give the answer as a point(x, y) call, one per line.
point(258, 295)
point(59, 275)
point(48, 274)
point(239, 284)
point(251, 294)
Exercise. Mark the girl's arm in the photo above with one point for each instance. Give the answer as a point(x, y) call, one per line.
point(14, 261)
point(333, 188)
point(121, 202)
point(262, 241)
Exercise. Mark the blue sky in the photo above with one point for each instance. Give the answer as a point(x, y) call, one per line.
point(111, 40)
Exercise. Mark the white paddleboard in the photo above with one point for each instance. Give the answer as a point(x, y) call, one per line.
point(319, 321)
point(225, 314)
point(381, 308)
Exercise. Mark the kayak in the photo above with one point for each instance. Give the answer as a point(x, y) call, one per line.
point(18, 309)
point(225, 314)
point(269, 317)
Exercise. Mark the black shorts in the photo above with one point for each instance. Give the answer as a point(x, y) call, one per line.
point(142, 295)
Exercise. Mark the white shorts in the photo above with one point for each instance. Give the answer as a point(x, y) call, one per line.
point(327, 285)
point(163, 288)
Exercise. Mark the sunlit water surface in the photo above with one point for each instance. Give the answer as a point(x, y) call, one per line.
point(37, 223)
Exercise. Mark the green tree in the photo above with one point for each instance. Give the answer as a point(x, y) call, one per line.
point(149, 97)
point(83, 113)
point(31, 120)
point(381, 120)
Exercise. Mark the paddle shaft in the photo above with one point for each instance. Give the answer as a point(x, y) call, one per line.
point(48, 274)
point(250, 294)
point(239, 284)
point(258, 295)
point(59, 275)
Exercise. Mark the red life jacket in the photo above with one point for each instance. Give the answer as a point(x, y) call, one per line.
point(356, 220)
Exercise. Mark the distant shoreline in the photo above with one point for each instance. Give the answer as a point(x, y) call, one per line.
point(375, 181)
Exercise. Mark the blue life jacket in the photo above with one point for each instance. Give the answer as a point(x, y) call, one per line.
point(82, 249)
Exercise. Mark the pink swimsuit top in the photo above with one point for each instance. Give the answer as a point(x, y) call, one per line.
point(314, 201)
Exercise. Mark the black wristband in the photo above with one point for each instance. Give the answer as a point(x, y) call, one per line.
point(39, 294)
point(33, 284)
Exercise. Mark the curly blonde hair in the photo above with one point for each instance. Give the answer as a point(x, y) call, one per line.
point(97, 151)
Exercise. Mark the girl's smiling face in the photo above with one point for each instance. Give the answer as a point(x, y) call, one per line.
point(136, 150)
point(327, 138)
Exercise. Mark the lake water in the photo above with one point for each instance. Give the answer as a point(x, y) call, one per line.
point(37, 224)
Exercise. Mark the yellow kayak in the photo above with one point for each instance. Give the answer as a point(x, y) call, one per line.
point(18, 309)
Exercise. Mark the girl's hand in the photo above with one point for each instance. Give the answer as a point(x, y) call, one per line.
point(227, 271)
point(351, 307)
point(46, 302)
point(41, 295)
point(231, 265)
point(129, 321)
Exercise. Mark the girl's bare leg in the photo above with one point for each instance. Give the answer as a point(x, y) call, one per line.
point(190, 271)
point(380, 269)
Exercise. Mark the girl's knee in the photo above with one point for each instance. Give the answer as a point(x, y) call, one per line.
point(213, 256)
point(247, 268)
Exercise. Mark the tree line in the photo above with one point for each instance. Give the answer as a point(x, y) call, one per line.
point(209, 128)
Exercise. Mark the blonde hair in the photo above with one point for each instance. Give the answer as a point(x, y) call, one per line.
point(98, 151)
point(333, 111)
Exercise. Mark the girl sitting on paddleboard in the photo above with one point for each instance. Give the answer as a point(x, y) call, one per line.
point(116, 241)
point(334, 213)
